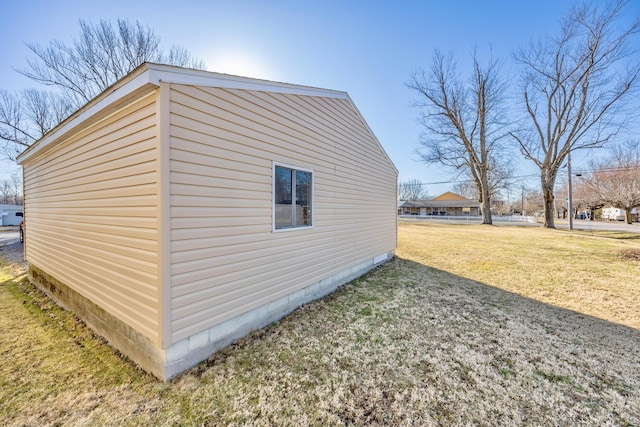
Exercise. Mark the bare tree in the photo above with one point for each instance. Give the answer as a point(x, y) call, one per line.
point(616, 179)
point(11, 190)
point(574, 88)
point(15, 131)
point(466, 189)
point(533, 202)
point(103, 54)
point(499, 179)
point(5, 193)
point(585, 198)
point(410, 190)
point(463, 121)
point(76, 73)
point(26, 117)
point(16, 183)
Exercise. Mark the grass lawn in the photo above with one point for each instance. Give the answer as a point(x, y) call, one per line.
point(467, 325)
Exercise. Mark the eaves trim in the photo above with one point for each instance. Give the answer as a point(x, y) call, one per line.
point(154, 74)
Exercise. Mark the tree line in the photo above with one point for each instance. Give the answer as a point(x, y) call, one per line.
point(574, 91)
point(73, 74)
point(11, 190)
point(612, 180)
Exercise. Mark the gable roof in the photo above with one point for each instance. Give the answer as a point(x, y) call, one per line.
point(464, 203)
point(449, 196)
point(445, 200)
point(148, 77)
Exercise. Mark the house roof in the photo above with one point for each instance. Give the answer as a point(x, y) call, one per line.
point(149, 76)
point(465, 203)
point(449, 196)
point(445, 200)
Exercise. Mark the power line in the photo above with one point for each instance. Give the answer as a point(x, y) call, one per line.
point(631, 168)
point(531, 175)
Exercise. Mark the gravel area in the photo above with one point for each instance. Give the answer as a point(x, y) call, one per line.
point(12, 251)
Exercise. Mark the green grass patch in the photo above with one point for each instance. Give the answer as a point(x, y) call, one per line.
point(553, 378)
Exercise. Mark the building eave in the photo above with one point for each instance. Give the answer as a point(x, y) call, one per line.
point(149, 75)
point(170, 74)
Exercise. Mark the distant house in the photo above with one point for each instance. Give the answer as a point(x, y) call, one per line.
point(11, 215)
point(448, 203)
point(181, 209)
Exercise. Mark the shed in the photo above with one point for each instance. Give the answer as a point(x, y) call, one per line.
point(11, 215)
point(181, 209)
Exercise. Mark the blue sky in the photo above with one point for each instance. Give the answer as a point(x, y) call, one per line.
point(367, 48)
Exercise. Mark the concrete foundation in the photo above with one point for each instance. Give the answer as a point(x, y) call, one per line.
point(188, 352)
point(129, 341)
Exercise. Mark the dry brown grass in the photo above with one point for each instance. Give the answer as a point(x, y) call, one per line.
point(630, 254)
point(578, 270)
point(427, 339)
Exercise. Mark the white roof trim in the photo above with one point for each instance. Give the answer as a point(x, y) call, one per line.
point(373, 135)
point(81, 115)
point(170, 74)
point(156, 73)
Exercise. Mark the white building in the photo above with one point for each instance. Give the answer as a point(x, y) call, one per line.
point(615, 214)
point(11, 215)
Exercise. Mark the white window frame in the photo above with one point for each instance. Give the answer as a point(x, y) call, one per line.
point(273, 198)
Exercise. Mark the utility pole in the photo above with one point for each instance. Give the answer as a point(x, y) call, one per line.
point(570, 207)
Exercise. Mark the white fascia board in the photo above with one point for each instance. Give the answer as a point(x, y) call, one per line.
point(373, 135)
point(156, 73)
point(84, 114)
point(186, 76)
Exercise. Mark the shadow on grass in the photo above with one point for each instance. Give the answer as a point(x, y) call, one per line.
point(494, 297)
point(410, 343)
point(619, 235)
point(404, 344)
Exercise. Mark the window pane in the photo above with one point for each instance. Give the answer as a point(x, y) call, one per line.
point(283, 206)
point(303, 198)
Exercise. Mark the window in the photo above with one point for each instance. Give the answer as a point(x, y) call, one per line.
point(292, 200)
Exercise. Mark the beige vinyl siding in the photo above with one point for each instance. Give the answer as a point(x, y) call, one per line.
point(92, 214)
point(225, 258)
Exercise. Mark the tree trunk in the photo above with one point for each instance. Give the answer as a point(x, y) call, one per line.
point(547, 194)
point(486, 212)
point(486, 206)
point(627, 216)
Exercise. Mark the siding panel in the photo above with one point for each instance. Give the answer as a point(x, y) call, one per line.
point(225, 258)
point(92, 215)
